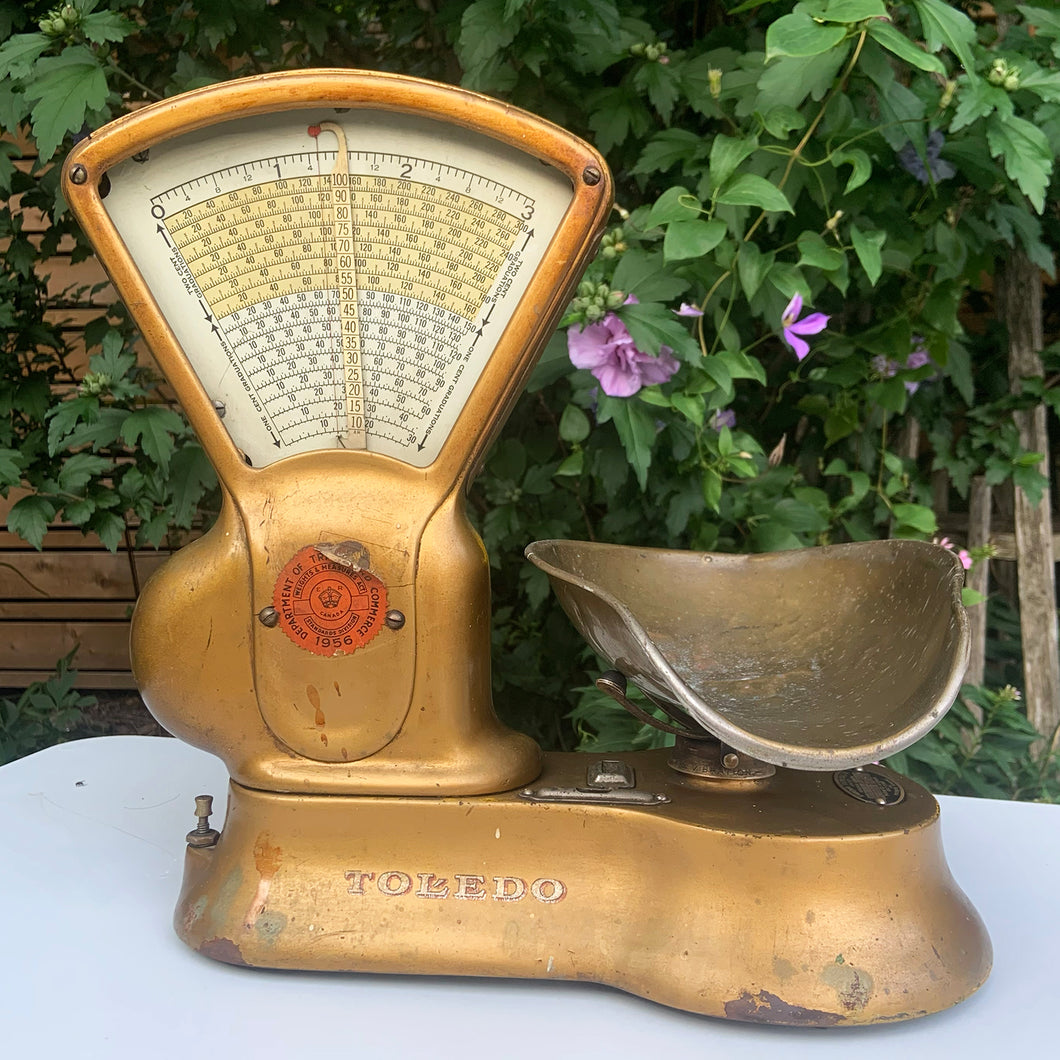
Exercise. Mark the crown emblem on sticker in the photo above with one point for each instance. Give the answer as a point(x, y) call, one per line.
point(326, 606)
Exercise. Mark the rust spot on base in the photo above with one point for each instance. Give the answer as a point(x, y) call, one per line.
point(223, 950)
point(765, 1007)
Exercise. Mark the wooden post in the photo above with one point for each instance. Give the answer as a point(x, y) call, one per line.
point(978, 577)
point(1018, 289)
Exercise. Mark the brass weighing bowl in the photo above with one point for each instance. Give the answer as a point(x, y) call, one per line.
point(821, 658)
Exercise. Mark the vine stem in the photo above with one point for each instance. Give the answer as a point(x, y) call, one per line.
point(793, 158)
point(112, 64)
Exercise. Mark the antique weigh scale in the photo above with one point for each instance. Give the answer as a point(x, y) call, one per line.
point(346, 279)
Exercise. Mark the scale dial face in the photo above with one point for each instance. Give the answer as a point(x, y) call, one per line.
point(337, 278)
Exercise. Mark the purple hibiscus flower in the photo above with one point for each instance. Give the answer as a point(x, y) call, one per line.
point(607, 350)
point(793, 327)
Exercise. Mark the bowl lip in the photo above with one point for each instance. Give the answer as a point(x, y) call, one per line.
point(795, 756)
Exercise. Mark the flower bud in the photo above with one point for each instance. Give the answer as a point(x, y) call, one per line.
point(593, 313)
point(637, 49)
point(70, 14)
point(998, 72)
point(58, 27)
point(615, 299)
point(1012, 82)
point(586, 288)
point(714, 81)
point(651, 52)
point(608, 253)
point(603, 290)
point(947, 94)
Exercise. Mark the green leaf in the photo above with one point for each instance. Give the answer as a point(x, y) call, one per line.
point(868, 247)
point(712, 488)
point(667, 148)
point(574, 425)
point(971, 597)
point(153, 427)
point(11, 464)
point(102, 26)
point(917, 517)
point(616, 115)
point(66, 86)
point(636, 430)
point(109, 527)
point(742, 366)
point(788, 81)
point(661, 85)
point(692, 239)
point(752, 266)
point(900, 45)
point(80, 469)
point(726, 154)
point(20, 52)
point(945, 26)
point(675, 204)
point(799, 517)
point(29, 518)
point(859, 161)
point(782, 120)
point(1026, 153)
point(652, 325)
point(691, 406)
point(977, 99)
point(485, 30)
point(1045, 84)
point(815, 252)
point(797, 35)
point(645, 275)
point(1045, 21)
point(846, 10)
point(190, 476)
point(748, 189)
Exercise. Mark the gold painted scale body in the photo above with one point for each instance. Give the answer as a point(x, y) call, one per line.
point(346, 279)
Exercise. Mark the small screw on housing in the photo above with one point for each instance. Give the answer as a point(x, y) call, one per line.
point(78, 174)
point(203, 835)
point(394, 619)
point(269, 616)
point(592, 176)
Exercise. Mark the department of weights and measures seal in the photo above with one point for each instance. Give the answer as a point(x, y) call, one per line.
point(328, 608)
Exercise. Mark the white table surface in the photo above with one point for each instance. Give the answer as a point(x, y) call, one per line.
point(91, 856)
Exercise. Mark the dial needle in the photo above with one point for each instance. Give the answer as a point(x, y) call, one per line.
point(338, 181)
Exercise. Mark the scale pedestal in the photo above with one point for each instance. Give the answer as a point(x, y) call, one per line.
point(347, 279)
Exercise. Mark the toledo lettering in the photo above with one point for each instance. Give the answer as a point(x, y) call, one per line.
point(393, 883)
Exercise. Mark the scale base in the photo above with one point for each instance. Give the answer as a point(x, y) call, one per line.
point(786, 900)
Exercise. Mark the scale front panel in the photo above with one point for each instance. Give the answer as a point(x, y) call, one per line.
point(337, 280)
point(345, 277)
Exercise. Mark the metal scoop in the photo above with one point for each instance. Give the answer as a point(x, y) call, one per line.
point(819, 659)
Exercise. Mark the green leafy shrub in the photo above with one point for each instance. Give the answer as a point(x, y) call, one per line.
point(44, 714)
point(984, 747)
point(776, 165)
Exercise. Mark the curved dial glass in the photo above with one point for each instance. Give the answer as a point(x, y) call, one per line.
point(337, 279)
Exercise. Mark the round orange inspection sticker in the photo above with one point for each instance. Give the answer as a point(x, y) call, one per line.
point(326, 607)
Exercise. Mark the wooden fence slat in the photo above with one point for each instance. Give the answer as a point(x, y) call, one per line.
point(1018, 289)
